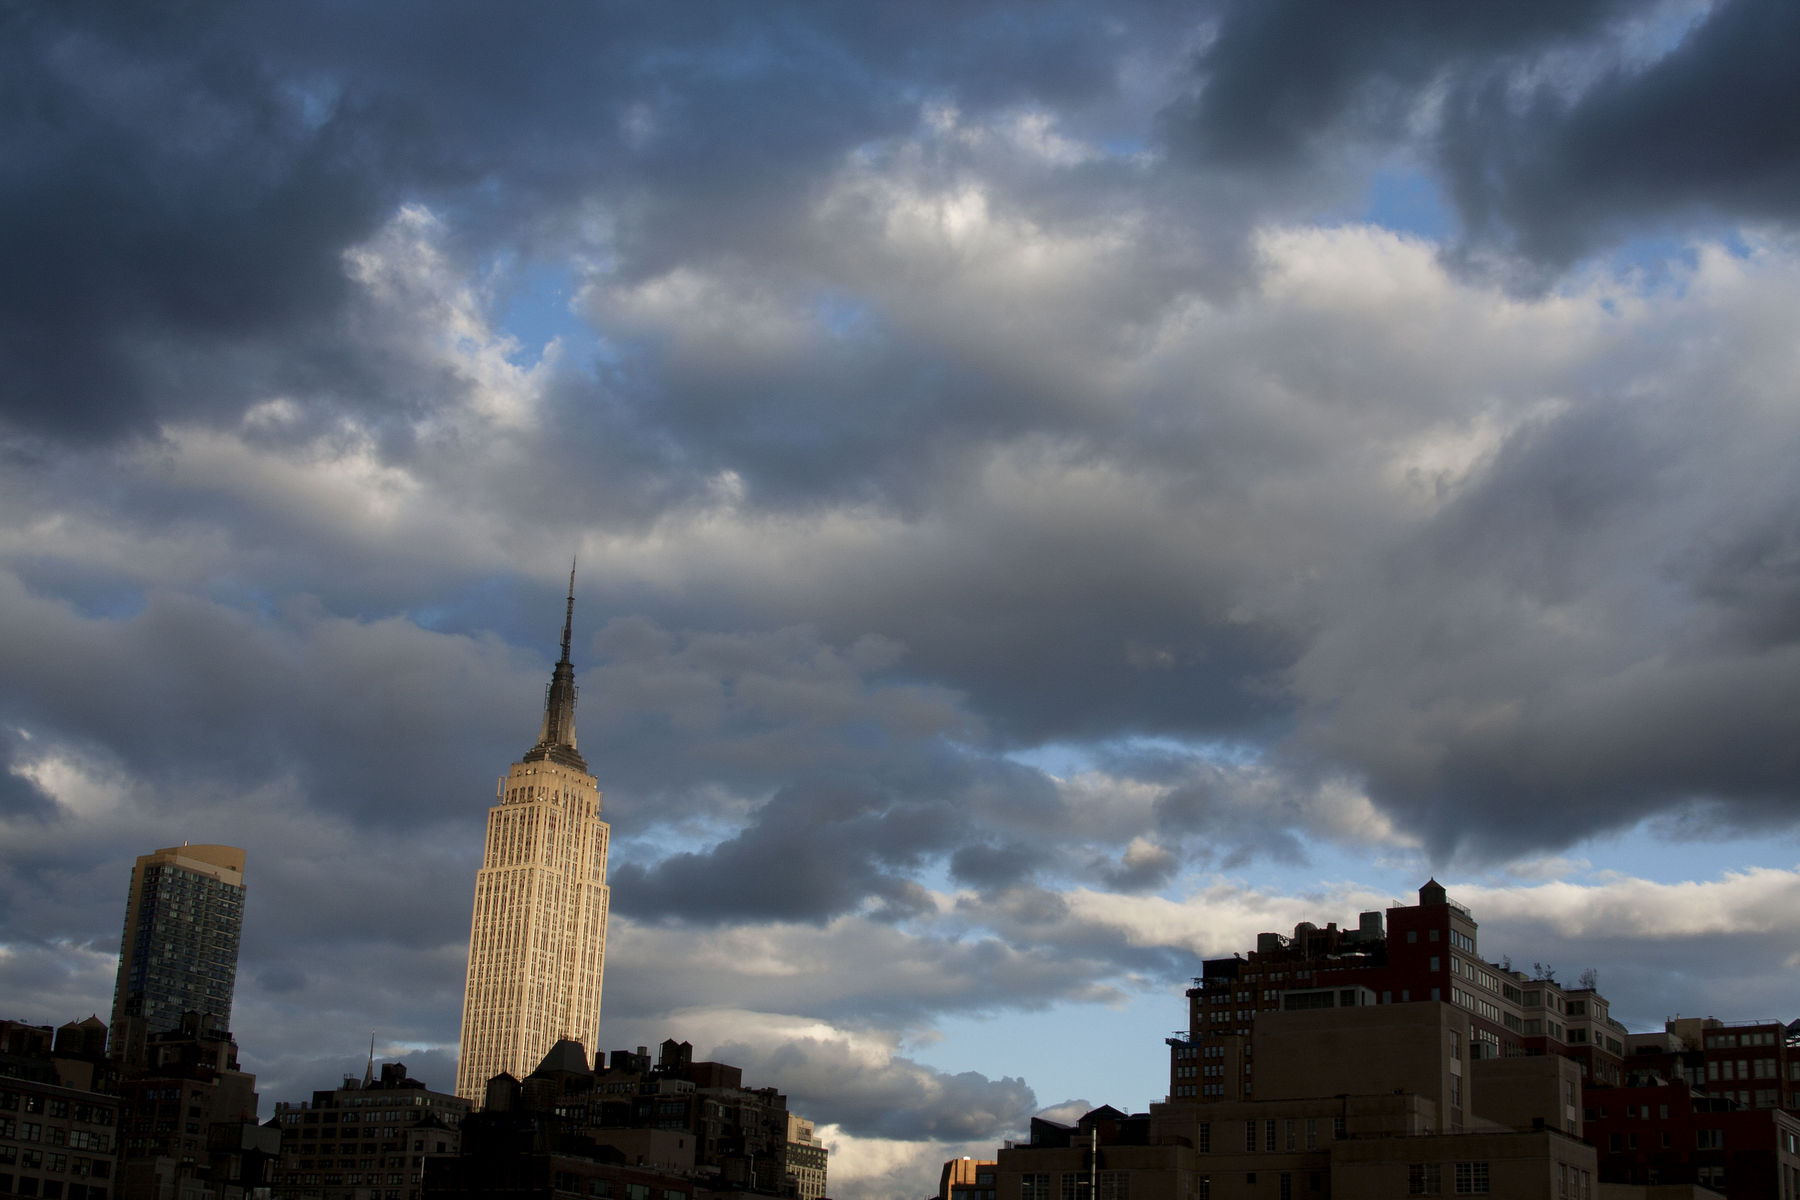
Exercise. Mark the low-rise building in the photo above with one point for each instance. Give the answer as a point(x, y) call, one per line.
point(367, 1140)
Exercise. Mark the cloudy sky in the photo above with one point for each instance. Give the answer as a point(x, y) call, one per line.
point(1058, 489)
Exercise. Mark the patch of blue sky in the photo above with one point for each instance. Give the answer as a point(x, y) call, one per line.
point(1407, 200)
point(498, 602)
point(1065, 760)
point(1673, 850)
point(108, 602)
point(1665, 261)
point(1328, 868)
point(231, 591)
point(1099, 1053)
point(843, 316)
point(541, 309)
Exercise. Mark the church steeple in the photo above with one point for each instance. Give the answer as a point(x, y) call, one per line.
point(556, 737)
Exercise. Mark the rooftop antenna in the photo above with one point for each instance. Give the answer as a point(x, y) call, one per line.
point(569, 612)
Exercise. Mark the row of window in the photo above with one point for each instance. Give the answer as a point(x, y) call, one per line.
point(33, 1159)
point(49, 1189)
point(1106, 1185)
point(1294, 1134)
point(1746, 1068)
point(55, 1106)
point(1427, 1179)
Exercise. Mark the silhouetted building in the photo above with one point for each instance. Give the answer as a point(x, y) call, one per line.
point(537, 937)
point(367, 1140)
point(56, 1140)
point(679, 1128)
point(179, 950)
point(189, 1129)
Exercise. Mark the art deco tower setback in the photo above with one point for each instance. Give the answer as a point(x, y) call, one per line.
point(537, 939)
point(180, 946)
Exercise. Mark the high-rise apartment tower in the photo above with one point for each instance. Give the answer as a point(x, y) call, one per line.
point(537, 939)
point(180, 946)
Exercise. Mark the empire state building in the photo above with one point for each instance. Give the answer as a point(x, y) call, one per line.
point(537, 940)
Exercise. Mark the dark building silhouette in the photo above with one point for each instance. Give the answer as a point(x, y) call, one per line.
point(677, 1128)
point(367, 1140)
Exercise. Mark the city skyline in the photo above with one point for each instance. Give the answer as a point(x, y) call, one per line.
point(1059, 490)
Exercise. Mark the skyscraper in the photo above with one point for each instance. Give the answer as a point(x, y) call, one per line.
point(179, 950)
point(537, 938)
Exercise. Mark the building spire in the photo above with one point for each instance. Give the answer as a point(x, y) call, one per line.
point(556, 736)
point(569, 613)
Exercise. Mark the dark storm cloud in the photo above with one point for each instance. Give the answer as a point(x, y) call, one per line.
point(1584, 655)
point(985, 865)
point(829, 843)
point(20, 796)
point(1553, 131)
point(179, 185)
point(1704, 132)
point(167, 205)
point(1280, 79)
point(187, 686)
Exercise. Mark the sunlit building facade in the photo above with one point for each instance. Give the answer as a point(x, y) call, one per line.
point(537, 937)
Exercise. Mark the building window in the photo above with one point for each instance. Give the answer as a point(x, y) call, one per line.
point(1204, 1140)
point(1471, 1178)
point(1424, 1179)
point(1113, 1185)
point(1034, 1187)
point(1269, 1135)
point(1287, 1186)
point(1249, 1135)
